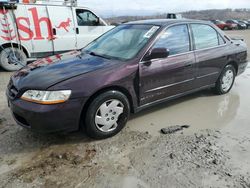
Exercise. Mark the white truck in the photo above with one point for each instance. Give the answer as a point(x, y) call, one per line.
point(31, 31)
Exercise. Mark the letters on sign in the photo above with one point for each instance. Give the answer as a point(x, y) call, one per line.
point(23, 24)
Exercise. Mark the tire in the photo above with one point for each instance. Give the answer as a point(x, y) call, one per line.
point(106, 115)
point(12, 59)
point(226, 80)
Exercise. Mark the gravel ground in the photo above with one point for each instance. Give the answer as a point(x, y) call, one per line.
point(213, 152)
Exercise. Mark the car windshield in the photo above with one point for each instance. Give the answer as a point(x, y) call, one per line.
point(123, 42)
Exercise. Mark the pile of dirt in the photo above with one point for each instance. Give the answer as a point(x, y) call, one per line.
point(55, 164)
point(186, 161)
point(132, 158)
point(46, 165)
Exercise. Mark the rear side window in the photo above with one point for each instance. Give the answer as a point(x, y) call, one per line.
point(205, 36)
point(175, 39)
point(221, 40)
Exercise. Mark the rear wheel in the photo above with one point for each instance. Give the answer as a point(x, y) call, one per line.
point(107, 114)
point(12, 59)
point(226, 80)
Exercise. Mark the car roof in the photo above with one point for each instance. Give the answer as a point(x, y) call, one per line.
point(165, 22)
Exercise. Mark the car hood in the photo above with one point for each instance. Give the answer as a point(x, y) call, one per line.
point(46, 72)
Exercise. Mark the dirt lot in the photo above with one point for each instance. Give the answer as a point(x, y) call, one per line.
point(213, 152)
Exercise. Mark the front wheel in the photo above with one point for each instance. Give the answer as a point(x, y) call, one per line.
point(226, 80)
point(107, 114)
point(12, 59)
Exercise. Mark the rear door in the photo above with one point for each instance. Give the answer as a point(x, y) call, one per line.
point(63, 28)
point(162, 78)
point(41, 30)
point(210, 53)
point(88, 27)
point(24, 32)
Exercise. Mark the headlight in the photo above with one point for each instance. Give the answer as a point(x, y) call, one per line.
point(46, 97)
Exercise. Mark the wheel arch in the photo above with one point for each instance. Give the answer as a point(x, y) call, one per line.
point(7, 45)
point(103, 90)
point(235, 65)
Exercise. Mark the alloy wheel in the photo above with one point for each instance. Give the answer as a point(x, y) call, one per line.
point(227, 80)
point(107, 115)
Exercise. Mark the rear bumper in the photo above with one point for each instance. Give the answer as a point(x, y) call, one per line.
point(230, 26)
point(47, 118)
point(242, 67)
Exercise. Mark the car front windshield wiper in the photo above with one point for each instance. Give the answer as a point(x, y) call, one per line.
point(99, 55)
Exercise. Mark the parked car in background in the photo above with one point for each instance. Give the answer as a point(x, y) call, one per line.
point(247, 23)
point(31, 31)
point(174, 16)
point(223, 25)
point(130, 68)
point(239, 24)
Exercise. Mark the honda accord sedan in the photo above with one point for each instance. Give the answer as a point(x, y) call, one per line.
point(132, 67)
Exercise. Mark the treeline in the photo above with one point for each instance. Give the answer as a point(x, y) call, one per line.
point(225, 14)
point(221, 14)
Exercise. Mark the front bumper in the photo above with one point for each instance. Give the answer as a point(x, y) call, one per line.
point(47, 118)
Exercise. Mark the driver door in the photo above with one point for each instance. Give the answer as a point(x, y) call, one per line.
point(171, 76)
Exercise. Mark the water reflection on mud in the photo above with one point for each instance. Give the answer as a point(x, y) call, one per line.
point(202, 110)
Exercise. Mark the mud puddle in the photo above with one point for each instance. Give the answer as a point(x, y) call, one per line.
point(202, 110)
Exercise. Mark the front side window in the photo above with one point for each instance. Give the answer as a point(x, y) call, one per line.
point(86, 18)
point(175, 39)
point(204, 36)
point(122, 42)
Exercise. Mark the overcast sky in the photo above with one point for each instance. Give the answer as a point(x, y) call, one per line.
point(131, 7)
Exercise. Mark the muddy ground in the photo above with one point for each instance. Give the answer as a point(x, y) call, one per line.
point(213, 152)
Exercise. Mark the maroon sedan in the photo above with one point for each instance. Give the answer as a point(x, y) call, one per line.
point(132, 67)
point(223, 25)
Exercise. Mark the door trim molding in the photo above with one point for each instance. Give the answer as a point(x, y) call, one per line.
point(144, 106)
point(170, 85)
point(206, 75)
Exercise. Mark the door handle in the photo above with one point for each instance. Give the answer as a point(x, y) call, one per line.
point(77, 30)
point(188, 65)
point(54, 31)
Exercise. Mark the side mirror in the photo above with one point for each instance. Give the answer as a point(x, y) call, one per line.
point(157, 53)
point(97, 22)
